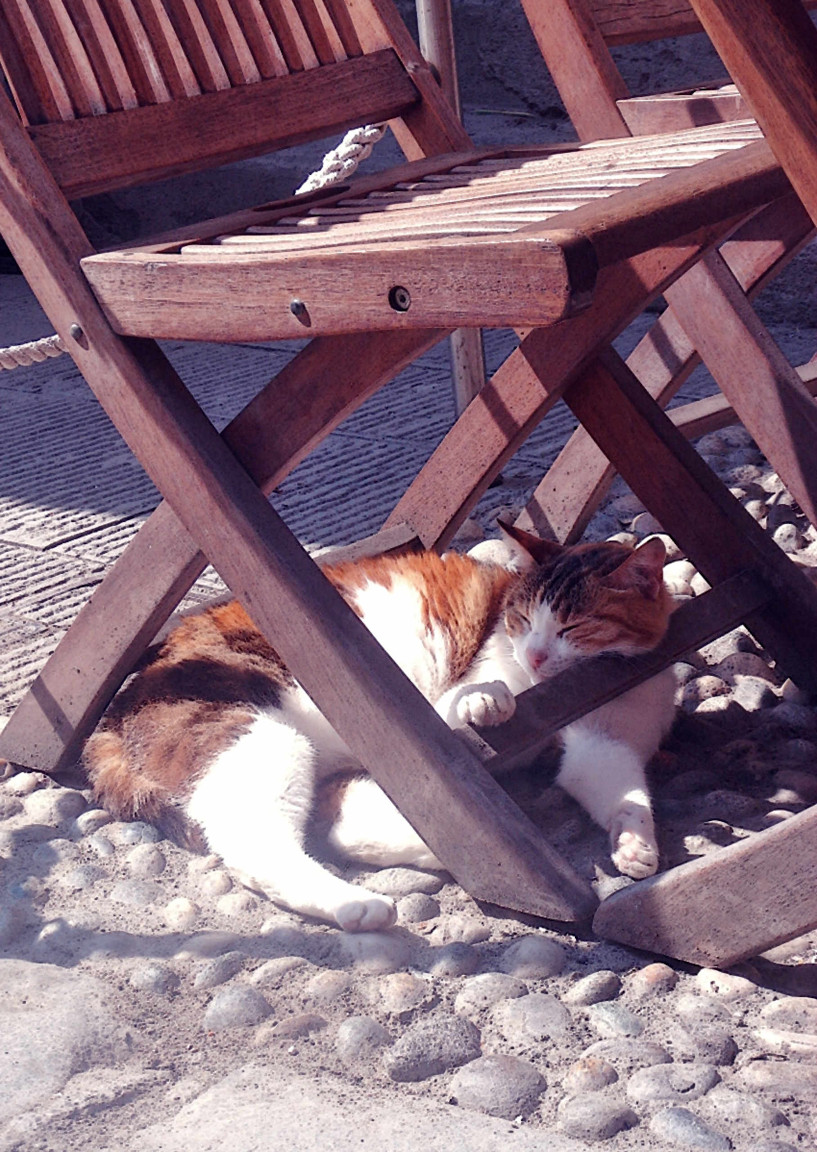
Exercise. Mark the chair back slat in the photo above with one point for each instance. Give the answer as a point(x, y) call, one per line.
point(103, 52)
point(291, 34)
point(71, 57)
point(176, 68)
point(261, 38)
point(138, 53)
point(41, 87)
point(231, 42)
point(322, 32)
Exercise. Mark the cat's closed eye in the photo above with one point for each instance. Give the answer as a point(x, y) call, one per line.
point(563, 631)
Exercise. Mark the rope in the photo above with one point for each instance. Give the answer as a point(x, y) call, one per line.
point(34, 352)
point(343, 161)
point(337, 166)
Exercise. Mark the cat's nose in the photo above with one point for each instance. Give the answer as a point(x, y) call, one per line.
point(536, 658)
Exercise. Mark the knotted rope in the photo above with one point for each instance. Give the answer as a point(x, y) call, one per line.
point(337, 166)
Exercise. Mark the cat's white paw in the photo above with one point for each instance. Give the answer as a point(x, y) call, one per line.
point(486, 704)
point(372, 913)
point(634, 856)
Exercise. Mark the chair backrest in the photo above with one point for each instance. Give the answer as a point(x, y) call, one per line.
point(122, 92)
point(575, 37)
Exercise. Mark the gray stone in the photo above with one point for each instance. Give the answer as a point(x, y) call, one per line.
point(744, 664)
point(377, 952)
point(778, 1078)
point(787, 537)
point(417, 907)
point(802, 784)
point(154, 977)
point(499, 1085)
point(612, 1020)
point(327, 986)
point(455, 959)
point(589, 1074)
point(431, 1045)
point(481, 992)
point(592, 989)
point(54, 852)
point(795, 1013)
point(219, 970)
point(216, 882)
point(100, 844)
point(536, 1016)
point(209, 943)
point(683, 1128)
point(752, 693)
point(236, 1006)
point(294, 1027)
point(361, 1038)
point(90, 821)
point(533, 957)
point(726, 986)
point(54, 805)
point(397, 882)
point(671, 1082)
point(145, 861)
point(82, 877)
point(653, 980)
point(725, 1105)
point(628, 1055)
point(459, 929)
point(708, 1043)
point(402, 992)
point(181, 913)
point(705, 687)
point(594, 1117)
point(123, 833)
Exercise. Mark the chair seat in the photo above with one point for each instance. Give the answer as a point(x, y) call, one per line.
point(501, 240)
point(674, 111)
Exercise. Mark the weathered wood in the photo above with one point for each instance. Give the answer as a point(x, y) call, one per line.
point(96, 154)
point(674, 111)
point(770, 49)
point(544, 709)
point(631, 21)
point(726, 906)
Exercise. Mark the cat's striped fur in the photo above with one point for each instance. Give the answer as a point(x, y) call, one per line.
point(215, 740)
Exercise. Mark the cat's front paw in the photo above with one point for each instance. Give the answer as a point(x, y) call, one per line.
point(634, 856)
point(372, 913)
point(486, 704)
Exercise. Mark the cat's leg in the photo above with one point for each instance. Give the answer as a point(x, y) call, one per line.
point(371, 829)
point(252, 804)
point(608, 779)
point(485, 704)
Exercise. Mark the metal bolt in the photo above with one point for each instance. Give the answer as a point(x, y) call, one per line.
point(400, 298)
point(76, 333)
point(299, 310)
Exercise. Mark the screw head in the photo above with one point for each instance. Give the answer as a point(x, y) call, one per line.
point(400, 298)
point(75, 332)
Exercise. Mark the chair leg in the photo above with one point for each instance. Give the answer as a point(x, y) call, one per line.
point(160, 564)
point(580, 477)
point(725, 907)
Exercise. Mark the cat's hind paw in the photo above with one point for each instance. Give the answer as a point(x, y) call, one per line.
point(486, 704)
point(634, 856)
point(372, 913)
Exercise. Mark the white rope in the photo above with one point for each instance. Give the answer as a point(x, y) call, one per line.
point(34, 352)
point(343, 161)
point(337, 166)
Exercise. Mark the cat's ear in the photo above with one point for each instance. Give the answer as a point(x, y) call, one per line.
point(528, 549)
point(642, 571)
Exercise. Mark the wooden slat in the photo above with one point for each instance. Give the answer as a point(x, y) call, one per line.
point(228, 37)
point(261, 38)
point(770, 49)
point(325, 40)
point(674, 111)
point(104, 54)
point(292, 36)
point(41, 80)
point(724, 907)
point(202, 53)
point(543, 710)
point(71, 59)
point(114, 151)
point(137, 52)
point(345, 25)
point(172, 57)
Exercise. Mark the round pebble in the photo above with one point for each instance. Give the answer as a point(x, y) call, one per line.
point(709, 1043)
point(216, 883)
point(781, 1078)
point(207, 944)
point(237, 903)
point(416, 908)
point(594, 1117)
point(132, 832)
point(101, 845)
point(486, 990)
point(592, 989)
point(533, 957)
point(137, 893)
point(154, 977)
point(653, 980)
point(212, 973)
point(502, 1086)
point(145, 861)
point(361, 1038)
point(671, 1082)
point(456, 959)
point(236, 1006)
point(402, 992)
point(54, 852)
point(628, 1055)
point(725, 1105)
point(589, 1074)
point(397, 882)
point(82, 877)
point(704, 687)
point(54, 805)
point(794, 1013)
point(91, 821)
point(431, 1045)
point(295, 1027)
point(272, 972)
point(326, 986)
point(535, 1016)
point(375, 952)
point(724, 985)
point(180, 913)
point(612, 1020)
point(684, 1129)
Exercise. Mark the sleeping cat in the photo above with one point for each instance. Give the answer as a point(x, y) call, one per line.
point(215, 741)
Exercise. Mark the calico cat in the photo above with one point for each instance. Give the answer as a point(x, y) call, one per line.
point(215, 741)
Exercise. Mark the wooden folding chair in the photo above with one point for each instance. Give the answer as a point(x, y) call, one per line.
point(566, 244)
point(701, 908)
point(575, 38)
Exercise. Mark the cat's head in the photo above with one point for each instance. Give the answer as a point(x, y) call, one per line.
point(582, 600)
